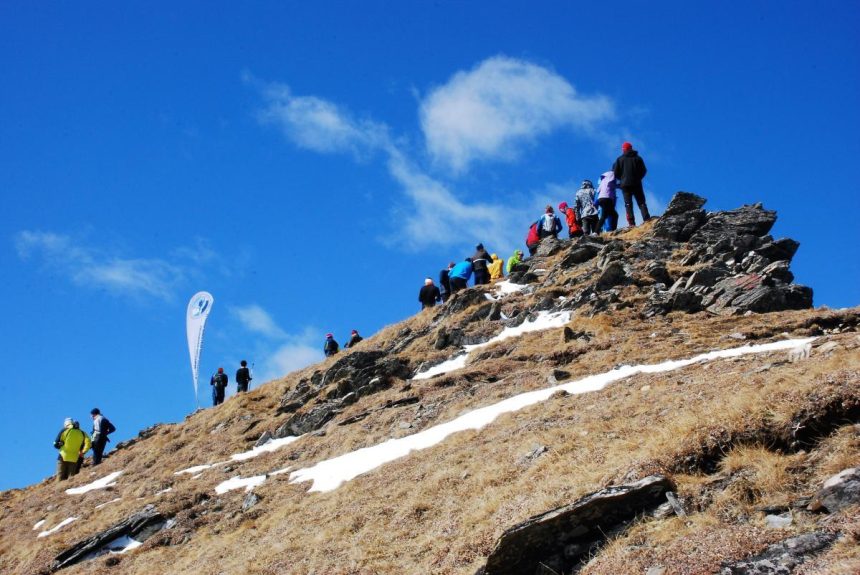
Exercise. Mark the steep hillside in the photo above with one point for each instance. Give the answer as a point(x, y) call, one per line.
point(656, 400)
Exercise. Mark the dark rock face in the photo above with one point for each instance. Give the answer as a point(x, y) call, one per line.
point(740, 267)
point(139, 526)
point(781, 558)
point(840, 491)
point(548, 246)
point(614, 274)
point(561, 538)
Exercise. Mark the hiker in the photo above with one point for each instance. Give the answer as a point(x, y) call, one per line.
point(533, 239)
point(480, 260)
point(629, 170)
point(71, 442)
point(548, 225)
point(243, 377)
point(606, 202)
point(495, 268)
point(102, 427)
point(573, 229)
point(514, 260)
point(445, 282)
point(219, 383)
point(460, 274)
point(354, 338)
point(585, 208)
point(429, 294)
point(330, 347)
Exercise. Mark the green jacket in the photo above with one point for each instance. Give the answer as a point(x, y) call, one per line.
point(75, 442)
point(512, 261)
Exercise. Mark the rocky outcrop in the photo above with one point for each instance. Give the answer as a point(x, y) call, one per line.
point(781, 558)
point(738, 267)
point(139, 526)
point(561, 538)
point(840, 491)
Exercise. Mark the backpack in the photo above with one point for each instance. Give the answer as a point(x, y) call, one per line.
point(532, 238)
point(548, 223)
point(107, 426)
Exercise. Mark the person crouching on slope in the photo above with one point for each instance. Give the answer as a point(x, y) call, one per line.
point(460, 274)
point(495, 268)
point(72, 442)
point(514, 260)
point(330, 347)
point(354, 338)
point(429, 294)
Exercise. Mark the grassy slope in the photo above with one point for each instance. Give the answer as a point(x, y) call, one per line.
point(441, 510)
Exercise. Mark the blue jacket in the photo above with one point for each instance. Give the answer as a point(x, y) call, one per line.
point(462, 270)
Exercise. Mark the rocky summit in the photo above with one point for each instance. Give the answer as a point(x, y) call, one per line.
point(657, 400)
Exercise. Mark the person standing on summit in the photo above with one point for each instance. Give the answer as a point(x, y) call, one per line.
point(480, 265)
point(72, 442)
point(429, 294)
point(330, 347)
point(629, 171)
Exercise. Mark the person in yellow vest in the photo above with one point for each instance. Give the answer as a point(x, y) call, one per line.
point(495, 267)
point(72, 443)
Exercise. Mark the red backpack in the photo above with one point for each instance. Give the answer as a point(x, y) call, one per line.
point(533, 237)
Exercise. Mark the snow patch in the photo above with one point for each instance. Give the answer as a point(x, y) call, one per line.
point(168, 490)
point(272, 445)
point(107, 502)
point(328, 475)
point(106, 481)
point(281, 471)
point(56, 528)
point(196, 469)
point(452, 364)
point(38, 524)
point(237, 482)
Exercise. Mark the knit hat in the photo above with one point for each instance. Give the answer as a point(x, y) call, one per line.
point(479, 247)
point(354, 332)
point(95, 411)
point(626, 147)
point(220, 370)
point(587, 184)
point(562, 206)
point(68, 422)
point(329, 335)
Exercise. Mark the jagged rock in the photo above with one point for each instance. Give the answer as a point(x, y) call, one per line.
point(311, 420)
point(251, 499)
point(139, 526)
point(557, 375)
point(706, 277)
point(520, 268)
point(658, 272)
point(753, 221)
point(683, 202)
point(781, 558)
point(548, 246)
point(584, 249)
point(781, 249)
point(482, 313)
point(840, 491)
point(561, 538)
point(614, 274)
point(781, 521)
point(264, 439)
point(533, 454)
point(756, 293)
point(779, 271)
point(461, 300)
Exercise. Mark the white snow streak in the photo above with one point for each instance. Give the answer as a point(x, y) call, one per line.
point(107, 502)
point(237, 483)
point(59, 526)
point(196, 469)
point(38, 524)
point(265, 448)
point(544, 320)
point(330, 474)
point(106, 481)
point(123, 544)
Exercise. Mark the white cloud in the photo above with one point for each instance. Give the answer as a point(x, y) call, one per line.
point(257, 320)
point(90, 267)
point(318, 124)
point(490, 112)
point(290, 357)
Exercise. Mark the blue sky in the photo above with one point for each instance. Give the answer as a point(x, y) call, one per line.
point(310, 163)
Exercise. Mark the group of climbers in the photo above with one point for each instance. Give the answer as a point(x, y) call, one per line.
point(72, 443)
point(220, 380)
point(331, 347)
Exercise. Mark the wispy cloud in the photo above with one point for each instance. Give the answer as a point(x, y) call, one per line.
point(257, 320)
point(488, 112)
point(91, 267)
point(502, 104)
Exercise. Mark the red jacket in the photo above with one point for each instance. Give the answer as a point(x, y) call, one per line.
point(533, 237)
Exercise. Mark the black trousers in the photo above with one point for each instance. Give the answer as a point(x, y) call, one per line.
point(99, 449)
point(482, 277)
point(608, 212)
point(635, 192)
point(457, 284)
point(217, 395)
point(241, 386)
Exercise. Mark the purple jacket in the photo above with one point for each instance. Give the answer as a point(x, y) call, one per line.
point(606, 189)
